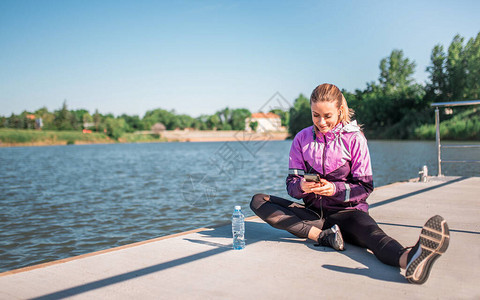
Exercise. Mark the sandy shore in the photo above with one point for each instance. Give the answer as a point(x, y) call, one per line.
point(221, 136)
point(52, 143)
point(174, 136)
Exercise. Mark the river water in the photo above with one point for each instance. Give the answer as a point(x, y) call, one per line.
point(62, 201)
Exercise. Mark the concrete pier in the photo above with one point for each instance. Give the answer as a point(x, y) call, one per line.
point(276, 265)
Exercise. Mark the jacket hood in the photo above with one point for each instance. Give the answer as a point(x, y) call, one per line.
point(337, 130)
point(351, 127)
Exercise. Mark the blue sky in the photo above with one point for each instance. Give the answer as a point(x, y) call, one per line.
point(197, 57)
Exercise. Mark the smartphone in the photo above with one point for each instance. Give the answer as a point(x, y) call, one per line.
point(312, 177)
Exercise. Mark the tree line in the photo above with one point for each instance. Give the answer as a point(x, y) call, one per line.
point(395, 106)
point(65, 119)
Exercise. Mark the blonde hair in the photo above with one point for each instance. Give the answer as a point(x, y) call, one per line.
point(331, 93)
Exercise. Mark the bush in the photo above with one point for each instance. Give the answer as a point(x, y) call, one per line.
point(463, 126)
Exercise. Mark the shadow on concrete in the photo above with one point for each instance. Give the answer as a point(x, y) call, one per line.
point(255, 232)
point(131, 275)
point(212, 244)
point(387, 201)
point(260, 231)
point(420, 227)
point(373, 267)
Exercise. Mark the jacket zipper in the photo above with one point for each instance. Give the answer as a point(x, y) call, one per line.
point(323, 156)
point(323, 169)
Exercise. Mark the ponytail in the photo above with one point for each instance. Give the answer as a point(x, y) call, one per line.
point(345, 113)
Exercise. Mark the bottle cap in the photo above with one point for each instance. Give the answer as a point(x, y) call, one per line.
point(238, 207)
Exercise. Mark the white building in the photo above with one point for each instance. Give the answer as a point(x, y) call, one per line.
point(265, 122)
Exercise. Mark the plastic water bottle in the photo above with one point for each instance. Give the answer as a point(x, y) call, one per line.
point(238, 228)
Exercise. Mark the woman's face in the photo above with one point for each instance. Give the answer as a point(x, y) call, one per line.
point(325, 115)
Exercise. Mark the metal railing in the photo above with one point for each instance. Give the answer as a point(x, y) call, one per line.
point(437, 134)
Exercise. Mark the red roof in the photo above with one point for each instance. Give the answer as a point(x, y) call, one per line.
point(269, 115)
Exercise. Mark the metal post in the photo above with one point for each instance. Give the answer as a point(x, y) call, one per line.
point(437, 126)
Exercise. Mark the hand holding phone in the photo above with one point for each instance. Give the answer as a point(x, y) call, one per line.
point(310, 182)
point(312, 177)
point(314, 184)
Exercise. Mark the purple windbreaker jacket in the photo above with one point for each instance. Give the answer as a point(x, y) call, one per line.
point(340, 156)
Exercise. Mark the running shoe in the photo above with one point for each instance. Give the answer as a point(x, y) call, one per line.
point(433, 241)
point(331, 237)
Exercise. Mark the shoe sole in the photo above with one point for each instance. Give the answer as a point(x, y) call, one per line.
point(339, 246)
point(434, 240)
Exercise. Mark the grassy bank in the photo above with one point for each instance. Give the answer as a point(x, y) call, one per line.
point(463, 126)
point(14, 137)
point(21, 137)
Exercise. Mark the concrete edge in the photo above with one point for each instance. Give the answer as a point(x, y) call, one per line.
point(64, 260)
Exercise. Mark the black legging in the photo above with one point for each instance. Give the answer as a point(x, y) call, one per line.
point(357, 227)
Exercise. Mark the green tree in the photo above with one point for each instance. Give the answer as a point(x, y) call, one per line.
point(76, 118)
point(456, 75)
point(28, 123)
point(284, 115)
point(63, 118)
point(472, 80)
point(227, 126)
point(213, 122)
point(133, 123)
point(165, 117)
point(300, 115)
point(115, 127)
point(48, 118)
point(436, 88)
point(238, 117)
point(224, 116)
point(15, 121)
point(455, 67)
point(396, 72)
point(201, 122)
point(396, 99)
point(184, 121)
point(87, 119)
point(254, 125)
point(97, 120)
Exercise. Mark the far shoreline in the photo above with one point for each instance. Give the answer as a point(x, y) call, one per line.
point(165, 136)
